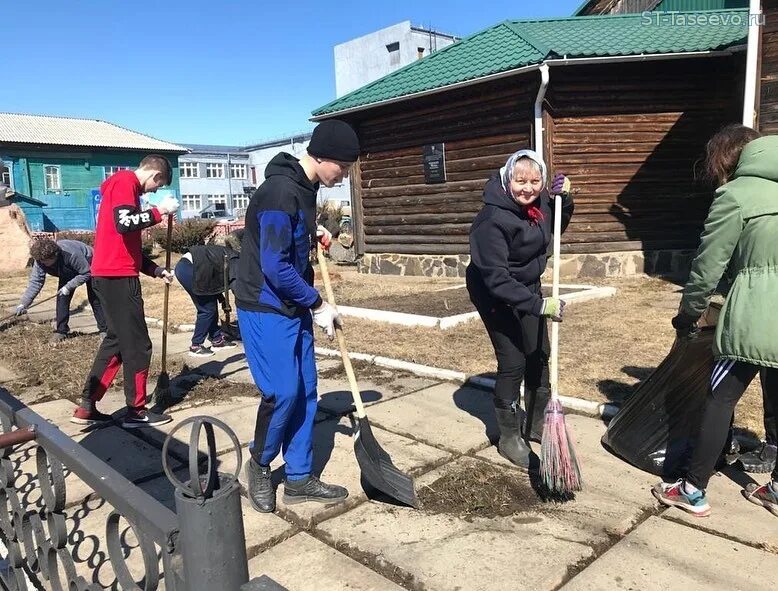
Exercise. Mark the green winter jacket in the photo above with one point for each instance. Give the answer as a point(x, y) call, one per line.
point(740, 241)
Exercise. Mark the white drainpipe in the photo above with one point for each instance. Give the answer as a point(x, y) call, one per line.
point(539, 110)
point(752, 57)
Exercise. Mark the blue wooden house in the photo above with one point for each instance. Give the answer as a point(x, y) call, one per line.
point(61, 161)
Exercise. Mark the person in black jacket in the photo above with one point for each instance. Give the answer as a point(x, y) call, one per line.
point(201, 273)
point(508, 248)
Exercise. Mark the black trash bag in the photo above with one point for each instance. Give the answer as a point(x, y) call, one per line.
point(655, 428)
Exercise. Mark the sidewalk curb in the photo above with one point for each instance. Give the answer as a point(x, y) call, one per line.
point(604, 410)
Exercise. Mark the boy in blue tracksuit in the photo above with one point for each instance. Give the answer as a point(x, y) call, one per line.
point(277, 307)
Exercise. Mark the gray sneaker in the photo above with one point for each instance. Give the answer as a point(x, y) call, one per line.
point(57, 337)
point(313, 489)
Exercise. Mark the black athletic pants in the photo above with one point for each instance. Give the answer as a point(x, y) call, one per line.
point(126, 342)
point(729, 380)
point(521, 346)
point(63, 308)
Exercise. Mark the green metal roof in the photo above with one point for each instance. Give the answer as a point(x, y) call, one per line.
point(515, 44)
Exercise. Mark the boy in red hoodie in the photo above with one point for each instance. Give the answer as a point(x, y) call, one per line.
point(116, 263)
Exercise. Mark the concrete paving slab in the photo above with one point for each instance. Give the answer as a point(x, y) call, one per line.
point(532, 550)
point(453, 417)
point(733, 516)
point(128, 455)
point(224, 364)
point(335, 395)
point(176, 342)
point(239, 415)
point(615, 495)
point(661, 555)
point(334, 461)
point(321, 568)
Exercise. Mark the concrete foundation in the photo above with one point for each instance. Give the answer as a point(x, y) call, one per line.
point(675, 263)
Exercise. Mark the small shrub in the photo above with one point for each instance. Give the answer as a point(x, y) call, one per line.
point(85, 237)
point(185, 234)
point(147, 245)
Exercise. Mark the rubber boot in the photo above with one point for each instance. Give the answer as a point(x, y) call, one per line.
point(535, 402)
point(261, 495)
point(511, 446)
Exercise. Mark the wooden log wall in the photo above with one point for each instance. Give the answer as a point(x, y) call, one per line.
point(480, 126)
point(768, 93)
point(631, 137)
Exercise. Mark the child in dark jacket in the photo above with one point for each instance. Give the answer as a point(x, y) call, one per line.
point(508, 244)
point(201, 272)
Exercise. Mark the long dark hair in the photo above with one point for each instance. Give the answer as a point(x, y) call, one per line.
point(723, 152)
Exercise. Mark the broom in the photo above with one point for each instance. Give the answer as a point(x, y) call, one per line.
point(559, 468)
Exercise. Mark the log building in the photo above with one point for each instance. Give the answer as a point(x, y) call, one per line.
point(627, 108)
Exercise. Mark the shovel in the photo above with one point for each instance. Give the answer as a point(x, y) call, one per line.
point(38, 303)
point(161, 395)
point(376, 465)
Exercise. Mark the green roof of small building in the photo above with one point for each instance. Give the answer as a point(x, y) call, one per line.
point(514, 44)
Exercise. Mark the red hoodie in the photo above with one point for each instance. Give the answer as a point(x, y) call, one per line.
point(120, 221)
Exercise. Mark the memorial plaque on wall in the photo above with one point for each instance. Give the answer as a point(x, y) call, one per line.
point(434, 163)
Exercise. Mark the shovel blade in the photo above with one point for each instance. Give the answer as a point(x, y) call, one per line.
point(378, 469)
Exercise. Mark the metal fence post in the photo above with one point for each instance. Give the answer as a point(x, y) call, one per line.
point(212, 539)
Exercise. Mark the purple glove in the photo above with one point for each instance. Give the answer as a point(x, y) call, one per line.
point(560, 185)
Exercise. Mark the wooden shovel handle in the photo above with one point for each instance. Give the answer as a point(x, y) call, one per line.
point(167, 292)
point(352, 380)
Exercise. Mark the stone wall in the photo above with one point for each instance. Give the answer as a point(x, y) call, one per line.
point(673, 263)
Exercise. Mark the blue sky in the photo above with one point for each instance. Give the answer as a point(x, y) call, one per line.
point(219, 72)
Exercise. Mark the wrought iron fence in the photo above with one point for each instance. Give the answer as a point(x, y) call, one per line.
point(36, 535)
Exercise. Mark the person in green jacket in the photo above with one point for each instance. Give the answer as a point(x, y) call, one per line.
point(739, 245)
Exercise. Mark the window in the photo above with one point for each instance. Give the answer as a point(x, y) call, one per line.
point(238, 171)
point(189, 170)
point(53, 182)
point(111, 170)
point(240, 202)
point(5, 177)
point(190, 203)
point(219, 201)
point(214, 171)
point(394, 53)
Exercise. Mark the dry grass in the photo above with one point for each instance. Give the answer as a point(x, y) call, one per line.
point(606, 346)
point(479, 489)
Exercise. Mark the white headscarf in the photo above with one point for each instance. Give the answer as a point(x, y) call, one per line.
point(506, 172)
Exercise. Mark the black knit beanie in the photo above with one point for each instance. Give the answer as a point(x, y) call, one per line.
point(334, 140)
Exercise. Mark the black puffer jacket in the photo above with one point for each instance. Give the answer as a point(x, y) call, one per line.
point(509, 252)
point(208, 263)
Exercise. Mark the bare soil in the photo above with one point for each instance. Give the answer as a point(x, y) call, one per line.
point(479, 489)
point(437, 304)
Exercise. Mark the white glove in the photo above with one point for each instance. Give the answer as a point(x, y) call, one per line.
point(327, 317)
point(63, 291)
point(168, 205)
point(20, 309)
point(164, 274)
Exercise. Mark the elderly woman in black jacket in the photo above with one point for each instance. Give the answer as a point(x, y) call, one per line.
point(508, 247)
